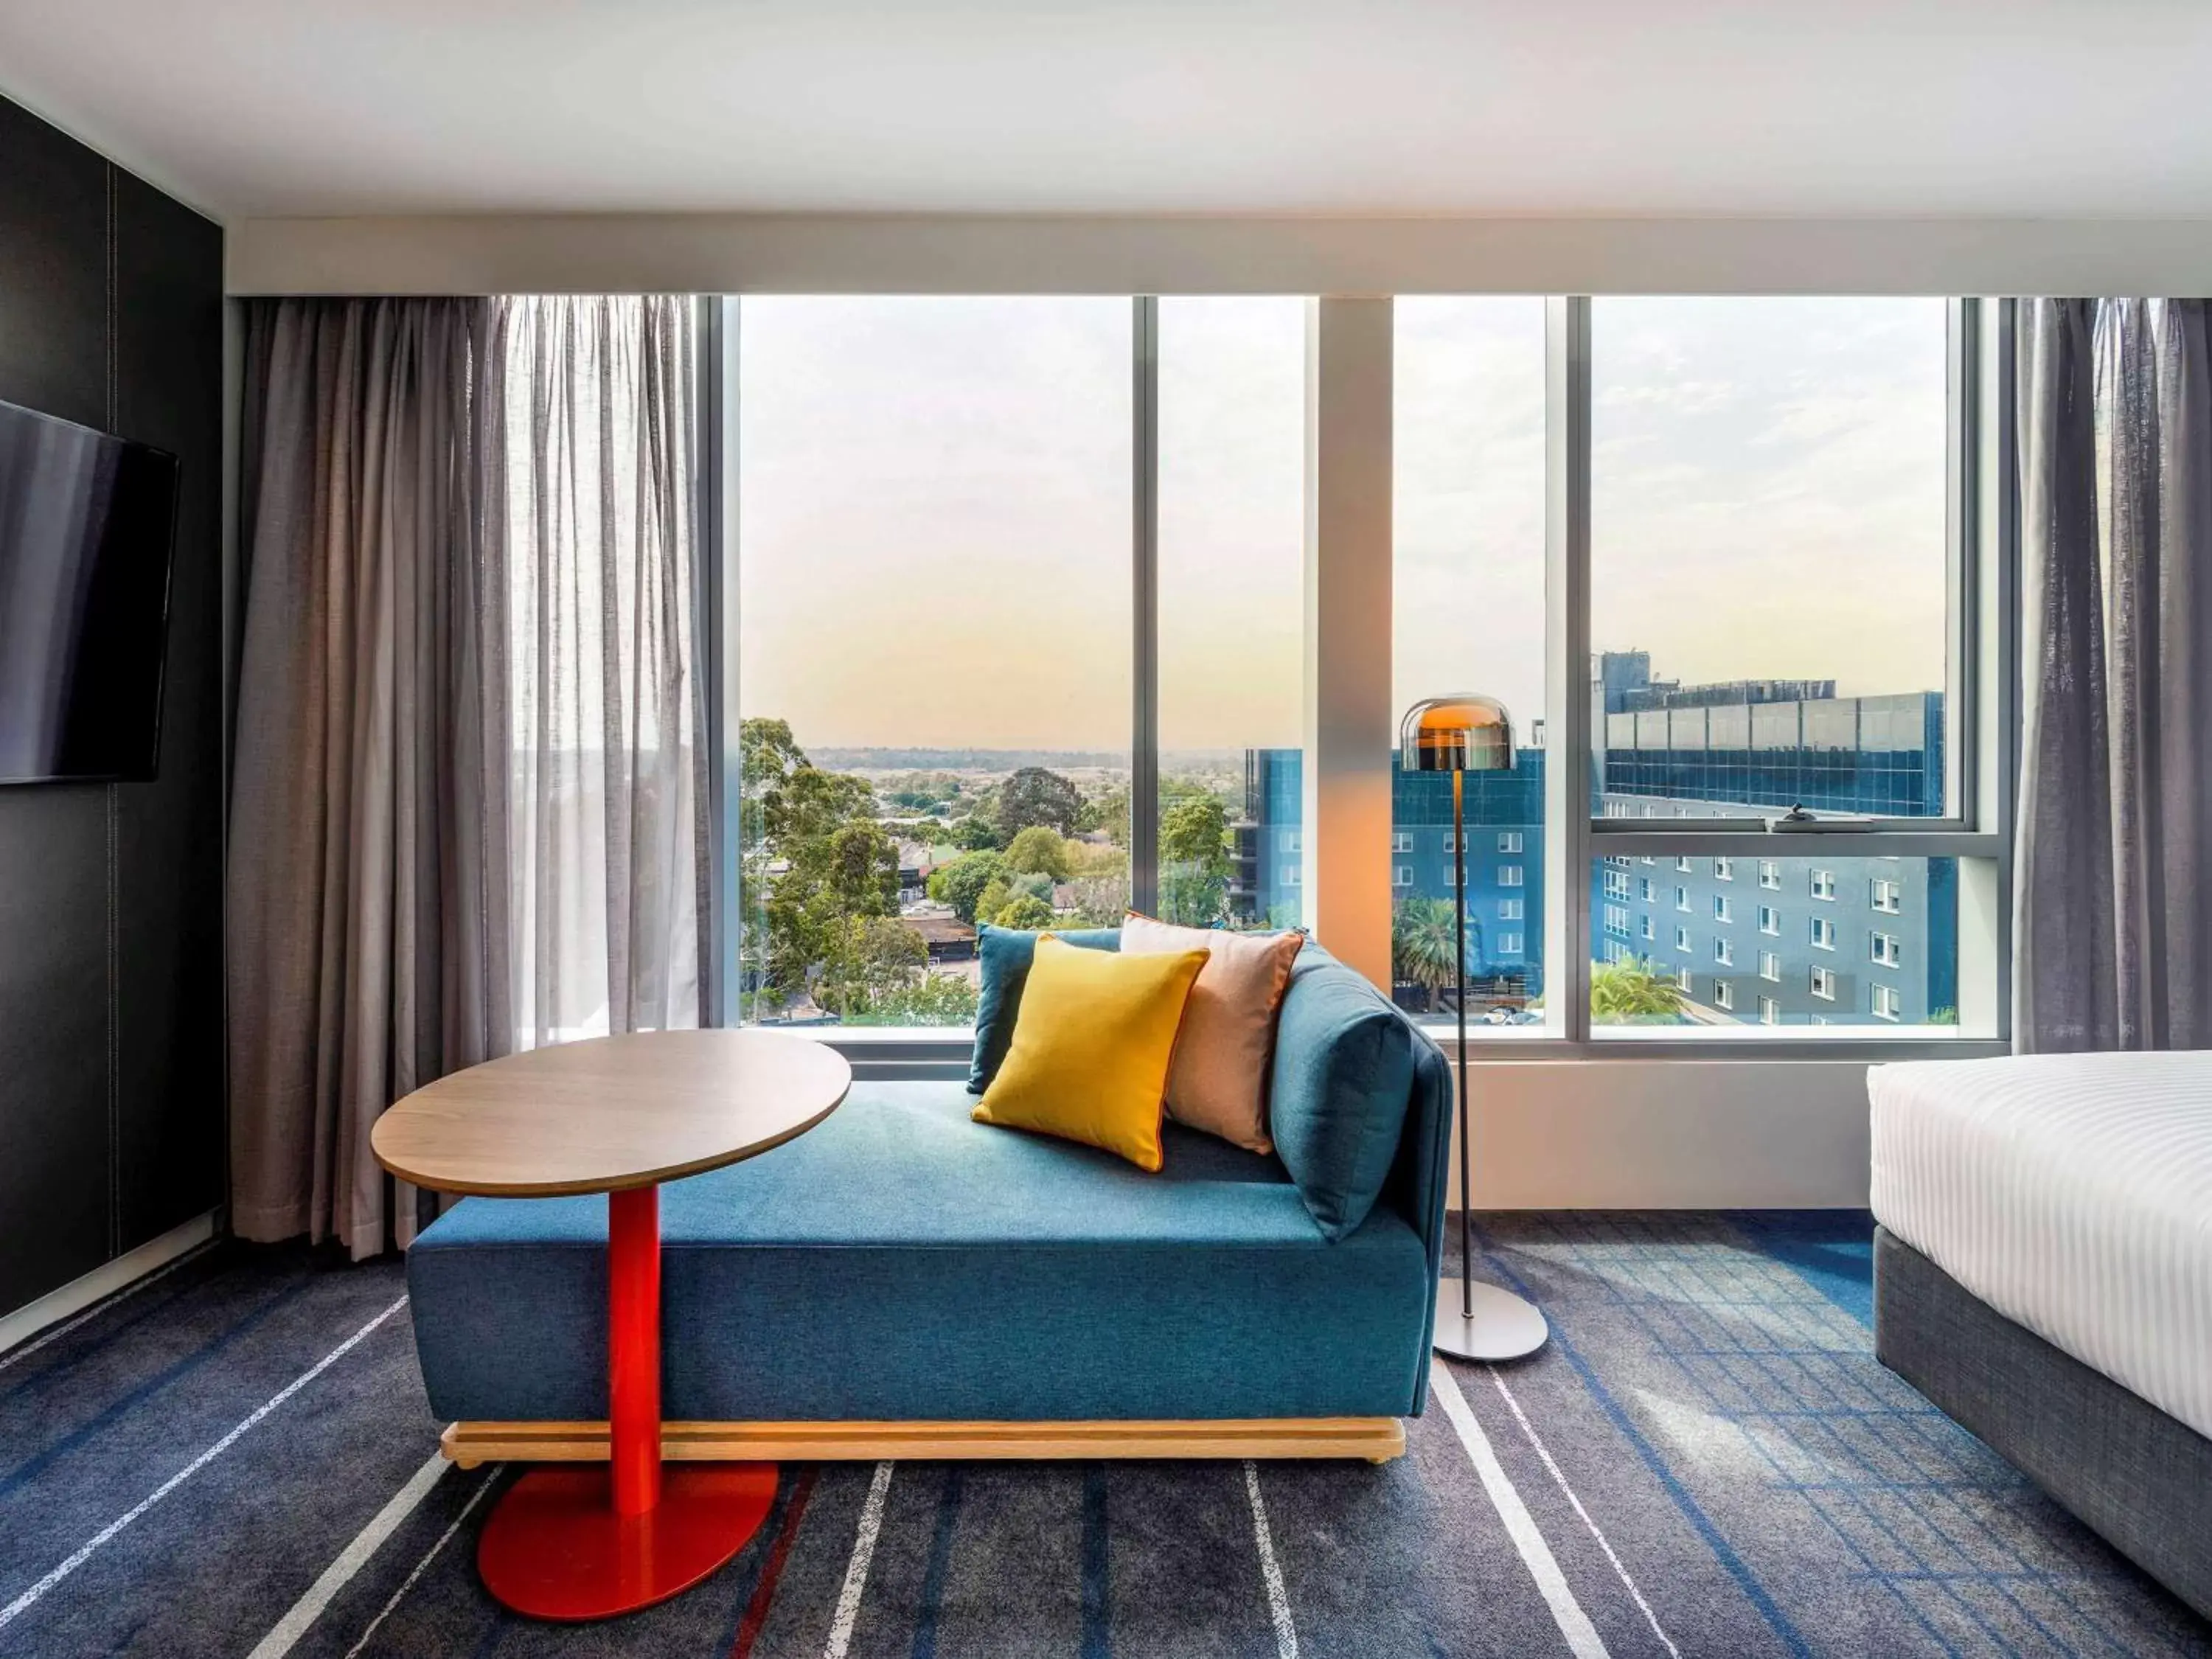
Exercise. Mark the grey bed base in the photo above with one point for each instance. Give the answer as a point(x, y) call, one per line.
point(2137, 1477)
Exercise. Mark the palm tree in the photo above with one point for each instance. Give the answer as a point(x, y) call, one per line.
point(1422, 933)
point(1633, 991)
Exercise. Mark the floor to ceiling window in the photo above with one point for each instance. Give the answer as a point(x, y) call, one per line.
point(1468, 613)
point(1773, 609)
point(1015, 614)
point(933, 580)
point(1231, 607)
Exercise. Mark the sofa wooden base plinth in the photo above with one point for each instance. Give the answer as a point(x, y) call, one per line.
point(1376, 1439)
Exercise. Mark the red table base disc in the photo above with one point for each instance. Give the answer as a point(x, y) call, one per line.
point(555, 1549)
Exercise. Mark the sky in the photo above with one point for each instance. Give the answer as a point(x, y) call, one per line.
point(935, 510)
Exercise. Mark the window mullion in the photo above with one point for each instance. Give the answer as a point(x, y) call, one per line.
point(1567, 945)
point(1145, 609)
point(717, 559)
point(1962, 688)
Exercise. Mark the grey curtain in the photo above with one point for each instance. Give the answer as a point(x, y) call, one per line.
point(2113, 864)
point(369, 945)
point(467, 806)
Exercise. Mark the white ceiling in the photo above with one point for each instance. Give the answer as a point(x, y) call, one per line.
point(1552, 107)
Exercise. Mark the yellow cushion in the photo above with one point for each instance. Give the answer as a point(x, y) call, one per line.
point(1089, 1061)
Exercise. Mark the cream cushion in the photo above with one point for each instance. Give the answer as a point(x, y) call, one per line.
point(1218, 1080)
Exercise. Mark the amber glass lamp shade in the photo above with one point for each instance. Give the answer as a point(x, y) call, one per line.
point(1463, 733)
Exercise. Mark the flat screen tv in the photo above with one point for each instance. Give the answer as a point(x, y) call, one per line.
point(88, 524)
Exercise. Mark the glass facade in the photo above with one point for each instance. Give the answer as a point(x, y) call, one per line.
point(934, 670)
point(1505, 886)
point(1467, 595)
point(1843, 959)
point(1770, 517)
point(1762, 744)
point(1231, 576)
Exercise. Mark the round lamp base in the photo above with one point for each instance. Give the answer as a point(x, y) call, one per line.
point(555, 1549)
point(1505, 1326)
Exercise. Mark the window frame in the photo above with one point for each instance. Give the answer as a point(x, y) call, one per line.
point(1981, 693)
point(1981, 735)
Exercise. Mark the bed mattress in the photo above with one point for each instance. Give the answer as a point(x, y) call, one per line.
point(2073, 1194)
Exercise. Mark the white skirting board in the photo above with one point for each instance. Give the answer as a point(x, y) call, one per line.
point(104, 1281)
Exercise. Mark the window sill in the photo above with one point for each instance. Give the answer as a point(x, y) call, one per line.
point(887, 1053)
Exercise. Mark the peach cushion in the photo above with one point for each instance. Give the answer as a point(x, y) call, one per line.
point(1218, 1080)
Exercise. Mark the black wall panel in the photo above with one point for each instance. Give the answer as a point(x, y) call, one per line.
point(53, 270)
point(168, 391)
point(55, 1213)
point(111, 918)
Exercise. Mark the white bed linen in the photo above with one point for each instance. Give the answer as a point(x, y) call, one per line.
point(2073, 1194)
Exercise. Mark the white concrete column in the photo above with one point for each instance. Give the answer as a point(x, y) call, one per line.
point(1571, 705)
point(1348, 717)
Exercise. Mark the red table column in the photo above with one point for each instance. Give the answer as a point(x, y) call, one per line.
point(634, 1347)
point(580, 1541)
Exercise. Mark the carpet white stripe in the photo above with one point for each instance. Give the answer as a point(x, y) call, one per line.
point(856, 1571)
point(1278, 1601)
point(1583, 1640)
point(24, 1350)
point(1544, 1452)
point(490, 1479)
point(351, 1560)
point(30, 1597)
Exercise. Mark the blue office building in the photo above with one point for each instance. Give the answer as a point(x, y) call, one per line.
point(1801, 938)
point(1742, 746)
point(1505, 859)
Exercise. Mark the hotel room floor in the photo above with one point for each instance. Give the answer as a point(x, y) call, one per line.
point(235, 1458)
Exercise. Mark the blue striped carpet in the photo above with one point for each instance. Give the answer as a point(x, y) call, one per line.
point(235, 1458)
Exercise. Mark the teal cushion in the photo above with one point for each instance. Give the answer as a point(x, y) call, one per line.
point(1343, 1072)
point(1006, 954)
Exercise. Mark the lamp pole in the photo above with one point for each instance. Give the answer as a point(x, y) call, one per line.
point(1457, 735)
point(1459, 971)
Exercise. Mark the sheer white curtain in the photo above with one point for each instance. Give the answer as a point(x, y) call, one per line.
point(597, 548)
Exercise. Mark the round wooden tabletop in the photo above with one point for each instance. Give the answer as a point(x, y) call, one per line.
point(610, 1113)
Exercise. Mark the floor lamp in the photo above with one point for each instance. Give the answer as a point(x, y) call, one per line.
point(1459, 735)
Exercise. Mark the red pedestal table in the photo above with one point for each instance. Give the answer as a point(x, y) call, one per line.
point(617, 1116)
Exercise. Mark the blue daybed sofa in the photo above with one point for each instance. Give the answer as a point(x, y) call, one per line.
point(901, 1265)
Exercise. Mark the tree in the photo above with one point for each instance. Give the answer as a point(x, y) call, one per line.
point(1194, 860)
point(836, 862)
point(846, 875)
point(1087, 859)
point(1102, 901)
point(975, 834)
point(994, 897)
point(857, 867)
point(1033, 795)
point(1195, 832)
point(768, 753)
point(1633, 991)
point(808, 803)
point(1025, 911)
point(934, 999)
point(1108, 810)
point(961, 883)
point(870, 958)
point(1039, 850)
point(1425, 949)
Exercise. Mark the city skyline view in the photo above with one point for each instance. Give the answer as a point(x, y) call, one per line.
point(944, 486)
